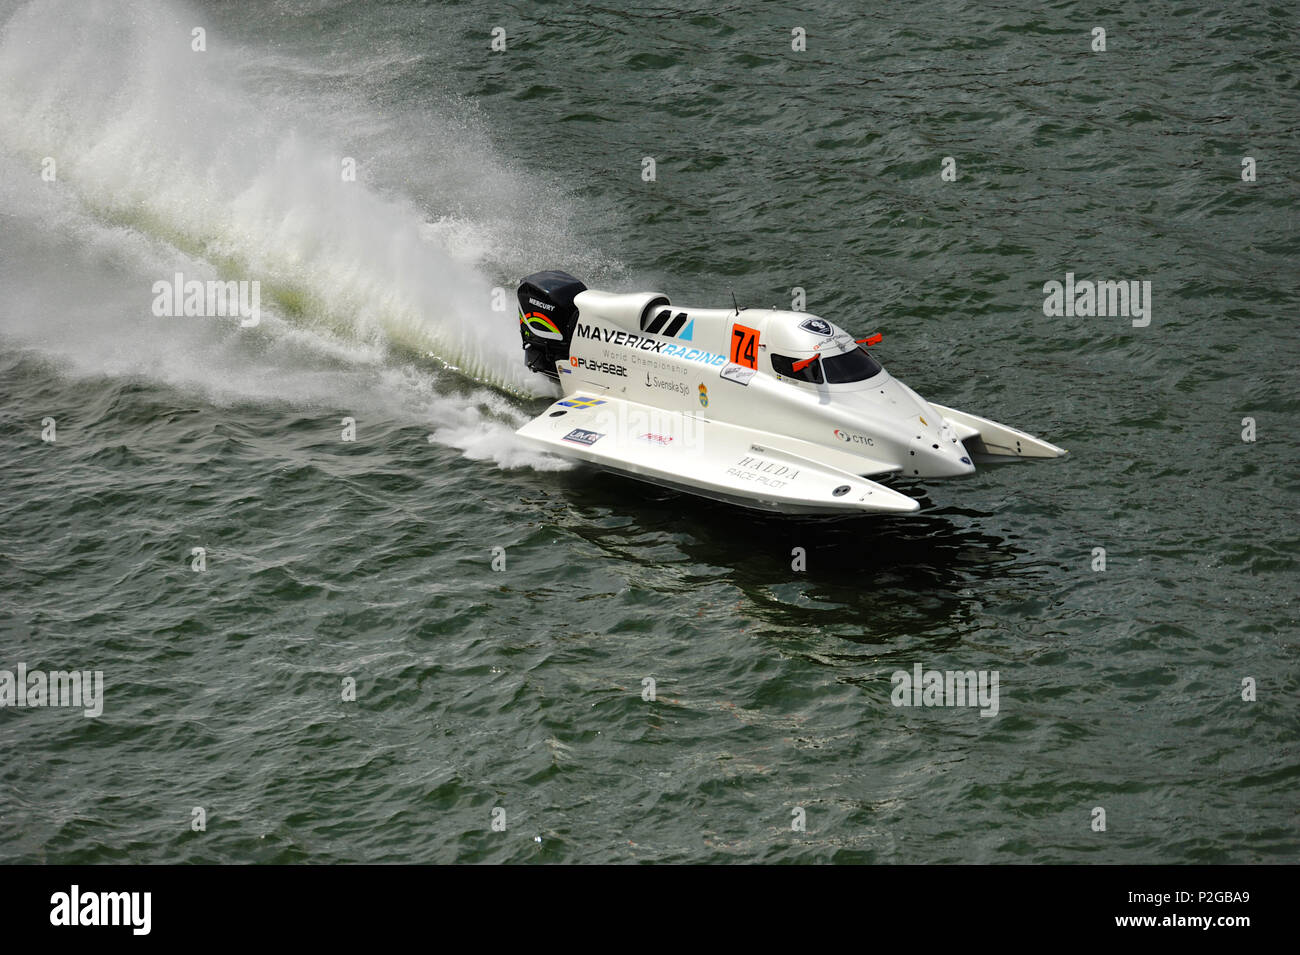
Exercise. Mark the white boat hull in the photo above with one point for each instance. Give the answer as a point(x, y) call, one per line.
point(772, 410)
point(712, 459)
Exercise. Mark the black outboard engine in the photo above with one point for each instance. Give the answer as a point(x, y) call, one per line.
point(546, 318)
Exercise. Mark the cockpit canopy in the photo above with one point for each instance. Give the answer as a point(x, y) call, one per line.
point(840, 359)
point(849, 366)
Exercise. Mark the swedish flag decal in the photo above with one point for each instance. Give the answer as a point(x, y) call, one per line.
point(582, 402)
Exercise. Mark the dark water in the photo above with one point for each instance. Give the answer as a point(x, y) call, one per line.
point(522, 690)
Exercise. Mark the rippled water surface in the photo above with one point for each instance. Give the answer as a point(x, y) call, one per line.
point(521, 689)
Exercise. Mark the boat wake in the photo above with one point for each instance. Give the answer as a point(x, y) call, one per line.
point(127, 156)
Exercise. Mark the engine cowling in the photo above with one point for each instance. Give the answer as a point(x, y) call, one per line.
point(549, 305)
point(546, 318)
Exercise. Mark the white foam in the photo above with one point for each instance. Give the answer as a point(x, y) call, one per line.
point(215, 164)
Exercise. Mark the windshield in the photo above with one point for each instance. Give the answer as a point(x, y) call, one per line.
point(854, 365)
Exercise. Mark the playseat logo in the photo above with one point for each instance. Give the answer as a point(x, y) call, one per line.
point(604, 367)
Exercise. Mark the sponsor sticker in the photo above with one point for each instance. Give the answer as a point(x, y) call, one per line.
point(604, 367)
point(581, 436)
point(680, 387)
point(818, 326)
point(764, 466)
point(738, 373)
point(704, 396)
point(644, 343)
point(660, 439)
point(848, 437)
point(771, 474)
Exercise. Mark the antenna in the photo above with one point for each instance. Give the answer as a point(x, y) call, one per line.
point(733, 301)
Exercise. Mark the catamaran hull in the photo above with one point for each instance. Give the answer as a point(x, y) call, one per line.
point(774, 411)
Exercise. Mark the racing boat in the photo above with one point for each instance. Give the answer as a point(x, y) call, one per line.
point(774, 410)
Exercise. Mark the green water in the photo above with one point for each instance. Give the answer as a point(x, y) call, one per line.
point(522, 689)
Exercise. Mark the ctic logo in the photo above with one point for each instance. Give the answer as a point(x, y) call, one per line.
point(849, 438)
point(660, 439)
point(103, 908)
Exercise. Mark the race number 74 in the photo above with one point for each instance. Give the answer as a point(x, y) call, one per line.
point(744, 346)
